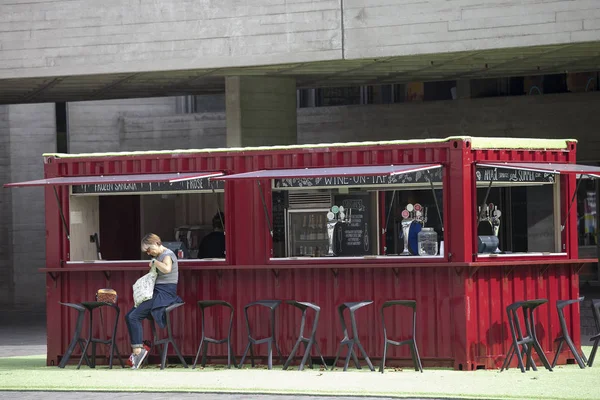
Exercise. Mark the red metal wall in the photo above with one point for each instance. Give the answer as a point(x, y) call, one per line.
point(437, 291)
point(461, 320)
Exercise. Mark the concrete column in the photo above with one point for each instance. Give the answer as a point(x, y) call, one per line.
point(463, 89)
point(6, 271)
point(260, 111)
point(32, 132)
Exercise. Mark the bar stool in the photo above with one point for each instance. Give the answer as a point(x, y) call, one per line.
point(91, 306)
point(565, 337)
point(410, 341)
point(270, 341)
point(303, 306)
point(164, 342)
point(529, 341)
point(596, 337)
point(350, 342)
point(204, 340)
point(76, 336)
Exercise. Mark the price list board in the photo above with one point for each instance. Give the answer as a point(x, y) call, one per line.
point(353, 238)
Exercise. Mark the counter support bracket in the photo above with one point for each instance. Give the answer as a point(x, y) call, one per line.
point(107, 275)
point(508, 270)
point(458, 270)
point(53, 275)
point(335, 272)
point(544, 269)
point(472, 271)
point(276, 275)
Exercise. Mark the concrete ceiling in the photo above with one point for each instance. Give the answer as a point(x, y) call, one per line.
point(579, 57)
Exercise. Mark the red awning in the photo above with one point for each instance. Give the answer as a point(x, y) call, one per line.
point(331, 171)
point(555, 168)
point(92, 180)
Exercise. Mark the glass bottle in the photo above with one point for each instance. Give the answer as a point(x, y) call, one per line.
point(427, 242)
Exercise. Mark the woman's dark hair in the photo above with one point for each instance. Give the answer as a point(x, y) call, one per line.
point(216, 221)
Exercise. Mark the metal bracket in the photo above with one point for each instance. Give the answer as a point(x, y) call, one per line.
point(53, 275)
point(107, 275)
point(335, 272)
point(220, 277)
point(458, 270)
point(508, 270)
point(472, 271)
point(579, 267)
point(276, 275)
point(543, 270)
point(396, 272)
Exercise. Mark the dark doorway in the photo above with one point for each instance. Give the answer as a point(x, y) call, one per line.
point(120, 227)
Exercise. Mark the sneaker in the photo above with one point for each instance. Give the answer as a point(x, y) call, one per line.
point(138, 359)
point(130, 360)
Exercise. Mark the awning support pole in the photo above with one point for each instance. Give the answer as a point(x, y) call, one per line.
point(562, 226)
point(62, 215)
point(264, 203)
point(218, 208)
point(437, 207)
point(387, 221)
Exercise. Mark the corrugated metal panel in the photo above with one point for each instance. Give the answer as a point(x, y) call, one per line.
point(435, 290)
point(321, 286)
point(492, 289)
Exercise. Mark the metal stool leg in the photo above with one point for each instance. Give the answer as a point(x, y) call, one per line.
point(76, 339)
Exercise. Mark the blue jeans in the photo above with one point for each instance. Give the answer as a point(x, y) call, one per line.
point(134, 319)
point(164, 295)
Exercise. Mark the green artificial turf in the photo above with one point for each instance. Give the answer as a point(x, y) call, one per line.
point(565, 382)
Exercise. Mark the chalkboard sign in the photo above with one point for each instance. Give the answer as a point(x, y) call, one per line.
point(495, 174)
point(191, 185)
point(279, 205)
point(360, 180)
point(352, 239)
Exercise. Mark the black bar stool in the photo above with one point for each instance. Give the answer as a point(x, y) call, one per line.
point(308, 342)
point(350, 342)
point(565, 337)
point(270, 341)
point(410, 341)
point(204, 340)
point(91, 306)
point(530, 341)
point(596, 337)
point(76, 336)
point(164, 342)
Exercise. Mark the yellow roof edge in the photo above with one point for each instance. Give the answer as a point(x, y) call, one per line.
point(478, 143)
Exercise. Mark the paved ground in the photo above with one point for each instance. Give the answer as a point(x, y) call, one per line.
point(179, 396)
point(22, 331)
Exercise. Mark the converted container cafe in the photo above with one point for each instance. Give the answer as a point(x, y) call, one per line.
point(328, 223)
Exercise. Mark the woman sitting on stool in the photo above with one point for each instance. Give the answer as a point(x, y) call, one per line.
point(165, 294)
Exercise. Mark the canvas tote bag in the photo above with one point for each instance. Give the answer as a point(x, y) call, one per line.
point(143, 288)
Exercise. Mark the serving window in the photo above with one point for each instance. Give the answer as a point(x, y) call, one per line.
point(108, 215)
point(519, 207)
point(354, 215)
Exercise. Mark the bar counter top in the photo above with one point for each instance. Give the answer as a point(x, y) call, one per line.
point(317, 263)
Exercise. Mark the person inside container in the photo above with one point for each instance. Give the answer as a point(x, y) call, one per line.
point(165, 294)
point(213, 244)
